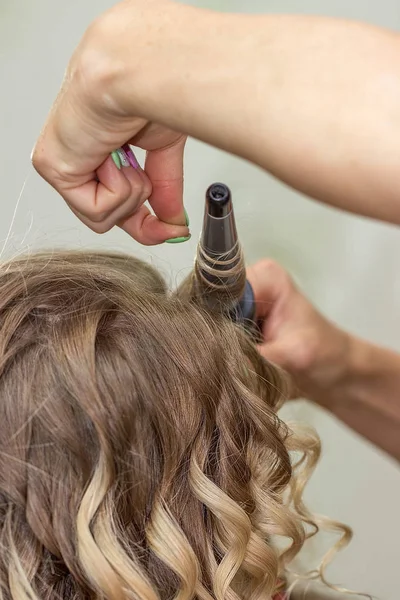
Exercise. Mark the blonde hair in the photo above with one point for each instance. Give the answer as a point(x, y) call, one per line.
point(141, 455)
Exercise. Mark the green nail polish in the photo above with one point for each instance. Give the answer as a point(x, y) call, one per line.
point(116, 159)
point(187, 218)
point(178, 240)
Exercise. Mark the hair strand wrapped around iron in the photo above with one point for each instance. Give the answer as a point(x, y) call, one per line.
point(218, 280)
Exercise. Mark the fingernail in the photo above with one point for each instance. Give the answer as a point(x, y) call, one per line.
point(123, 157)
point(131, 157)
point(187, 218)
point(115, 157)
point(178, 240)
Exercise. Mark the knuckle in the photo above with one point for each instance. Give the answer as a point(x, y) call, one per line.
point(137, 187)
point(267, 264)
point(270, 267)
point(95, 216)
point(274, 270)
point(38, 160)
point(147, 189)
point(100, 228)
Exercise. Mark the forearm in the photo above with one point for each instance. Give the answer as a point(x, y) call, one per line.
point(366, 395)
point(314, 101)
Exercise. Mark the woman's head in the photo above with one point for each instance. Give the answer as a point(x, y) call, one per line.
point(140, 451)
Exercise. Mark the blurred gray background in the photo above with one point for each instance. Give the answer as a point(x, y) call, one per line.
point(348, 266)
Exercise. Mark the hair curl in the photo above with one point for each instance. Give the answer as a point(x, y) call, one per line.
point(141, 455)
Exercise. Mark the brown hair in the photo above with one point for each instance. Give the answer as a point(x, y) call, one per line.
point(141, 456)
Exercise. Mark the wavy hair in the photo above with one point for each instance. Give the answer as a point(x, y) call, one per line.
point(141, 455)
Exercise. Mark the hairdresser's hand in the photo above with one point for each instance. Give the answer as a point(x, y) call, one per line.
point(357, 381)
point(90, 119)
point(296, 336)
point(228, 80)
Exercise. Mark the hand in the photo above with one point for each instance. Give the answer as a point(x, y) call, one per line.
point(89, 120)
point(296, 336)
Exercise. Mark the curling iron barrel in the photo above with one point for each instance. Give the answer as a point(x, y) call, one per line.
point(221, 255)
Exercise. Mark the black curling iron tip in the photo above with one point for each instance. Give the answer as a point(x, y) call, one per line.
point(218, 200)
point(219, 236)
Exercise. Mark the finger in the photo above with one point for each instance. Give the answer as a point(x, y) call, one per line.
point(98, 199)
point(126, 191)
point(72, 154)
point(149, 230)
point(164, 168)
point(270, 284)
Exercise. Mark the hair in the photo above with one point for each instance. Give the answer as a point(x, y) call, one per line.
point(216, 282)
point(141, 454)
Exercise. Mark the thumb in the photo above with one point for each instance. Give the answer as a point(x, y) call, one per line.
point(269, 281)
point(164, 168)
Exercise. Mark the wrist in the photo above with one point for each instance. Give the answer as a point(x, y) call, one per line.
point(364, 373)
point(366, 398)
point(354, 371)
point(335, 360)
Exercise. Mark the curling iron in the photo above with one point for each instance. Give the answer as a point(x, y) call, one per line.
point(221, 256)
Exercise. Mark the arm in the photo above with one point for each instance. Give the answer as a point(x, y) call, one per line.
point(314, 101)
point(356, 381)
point(367, 397)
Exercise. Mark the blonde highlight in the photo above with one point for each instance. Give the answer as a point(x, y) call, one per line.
point(141, 454)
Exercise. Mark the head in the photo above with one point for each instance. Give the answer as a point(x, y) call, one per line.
point(141, 455)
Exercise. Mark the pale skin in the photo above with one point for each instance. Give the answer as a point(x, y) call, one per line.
point(355, 380)
point(314, 101)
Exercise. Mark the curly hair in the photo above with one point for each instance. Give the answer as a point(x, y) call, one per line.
point(141, 455)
